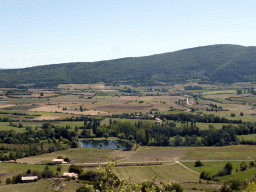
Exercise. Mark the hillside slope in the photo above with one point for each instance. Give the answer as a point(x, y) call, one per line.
point(221, 63)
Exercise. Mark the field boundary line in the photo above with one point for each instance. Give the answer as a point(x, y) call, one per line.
point(187, 167)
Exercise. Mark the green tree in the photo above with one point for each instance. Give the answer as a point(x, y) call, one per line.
point(47, 173)
point(243, 166)
point(239, 91)
point(121, 136)
point(228, 168)
point(106, 135)
point(75, 169)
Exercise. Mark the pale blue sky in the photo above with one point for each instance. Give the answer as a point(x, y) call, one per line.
point(41, 32)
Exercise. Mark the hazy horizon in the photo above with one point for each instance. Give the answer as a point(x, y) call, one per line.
point(43, 32)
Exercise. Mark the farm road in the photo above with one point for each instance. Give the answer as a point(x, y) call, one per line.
point(187, 168)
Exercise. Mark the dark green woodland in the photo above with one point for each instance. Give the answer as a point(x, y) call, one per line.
point(208, 64)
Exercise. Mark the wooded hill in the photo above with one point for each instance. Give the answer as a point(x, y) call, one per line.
point(214, 63)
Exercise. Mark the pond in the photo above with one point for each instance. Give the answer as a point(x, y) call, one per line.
point(110, 144)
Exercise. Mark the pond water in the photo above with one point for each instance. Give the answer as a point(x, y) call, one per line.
point(110, 144)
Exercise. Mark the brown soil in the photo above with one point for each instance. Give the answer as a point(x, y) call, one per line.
point(123, 106)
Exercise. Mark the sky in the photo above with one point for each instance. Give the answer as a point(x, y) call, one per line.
point(42, 32)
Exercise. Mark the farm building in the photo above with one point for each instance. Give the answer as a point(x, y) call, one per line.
point(74, 175)
point(59, 161)
point(29, 178)
point(157, 120)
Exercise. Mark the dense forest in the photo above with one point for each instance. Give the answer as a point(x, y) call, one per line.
point(215, 63)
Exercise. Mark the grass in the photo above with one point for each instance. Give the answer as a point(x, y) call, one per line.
point(235, 152)
point(41, 186)
point(203, 126)
point(150, 153)
point(212, 167)
point(163, 173)
point(4, 126)
point(10, 169)
point(219, 92)
point(79, 155)
point(247, 137)
point(241, 175)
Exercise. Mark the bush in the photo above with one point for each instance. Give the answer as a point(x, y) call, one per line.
point(228, 168)
point(75, 169)
point(17, 178)
point(251, 164)
point(243, 166)
point(174, 187)
point(66, 159)
point(198, 164)
point(28, 171)
point(91, 176)
point(74, 144)
point(59, 168)
point(205, 176)
point(47, 173)
point(8, 181)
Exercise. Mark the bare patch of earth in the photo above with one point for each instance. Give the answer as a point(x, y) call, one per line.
point(46, 118)
point(6, 105)
point(123, 106)
point(55, 108)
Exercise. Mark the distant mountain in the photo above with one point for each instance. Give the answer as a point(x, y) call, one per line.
point(215, 63)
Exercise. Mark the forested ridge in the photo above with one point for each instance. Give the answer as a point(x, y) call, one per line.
point(214, 63)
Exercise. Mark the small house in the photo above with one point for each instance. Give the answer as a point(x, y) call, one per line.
point(73, 175)
point(29, 178)
point(157, 120)
point(59, 161)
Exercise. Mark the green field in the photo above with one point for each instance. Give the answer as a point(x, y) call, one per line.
point(41, 186)
point(241, 175)
point(247, 137)
point(213, 167)
point(6, 127)
point(78, 155)
point(163, 173)
point(219, 92)
point(10, 169)
point(235, 152)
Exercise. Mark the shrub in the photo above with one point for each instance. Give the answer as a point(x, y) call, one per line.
point(47, 173)
point(75, 169)
point(91, 176)
point(74, 144)
point(251, 164)
point(205, 176)
point(243, 166)
point(174, 187)
point(8, 181)
point(28, 171)
point(198, 164)
point(233, 114)
point(228, 168)
point(66, 159)
point(59, 168)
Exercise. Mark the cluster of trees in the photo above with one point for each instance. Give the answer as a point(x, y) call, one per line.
point(33, 140)
point(210, 118)
point(193, 87)
point(147, 133)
